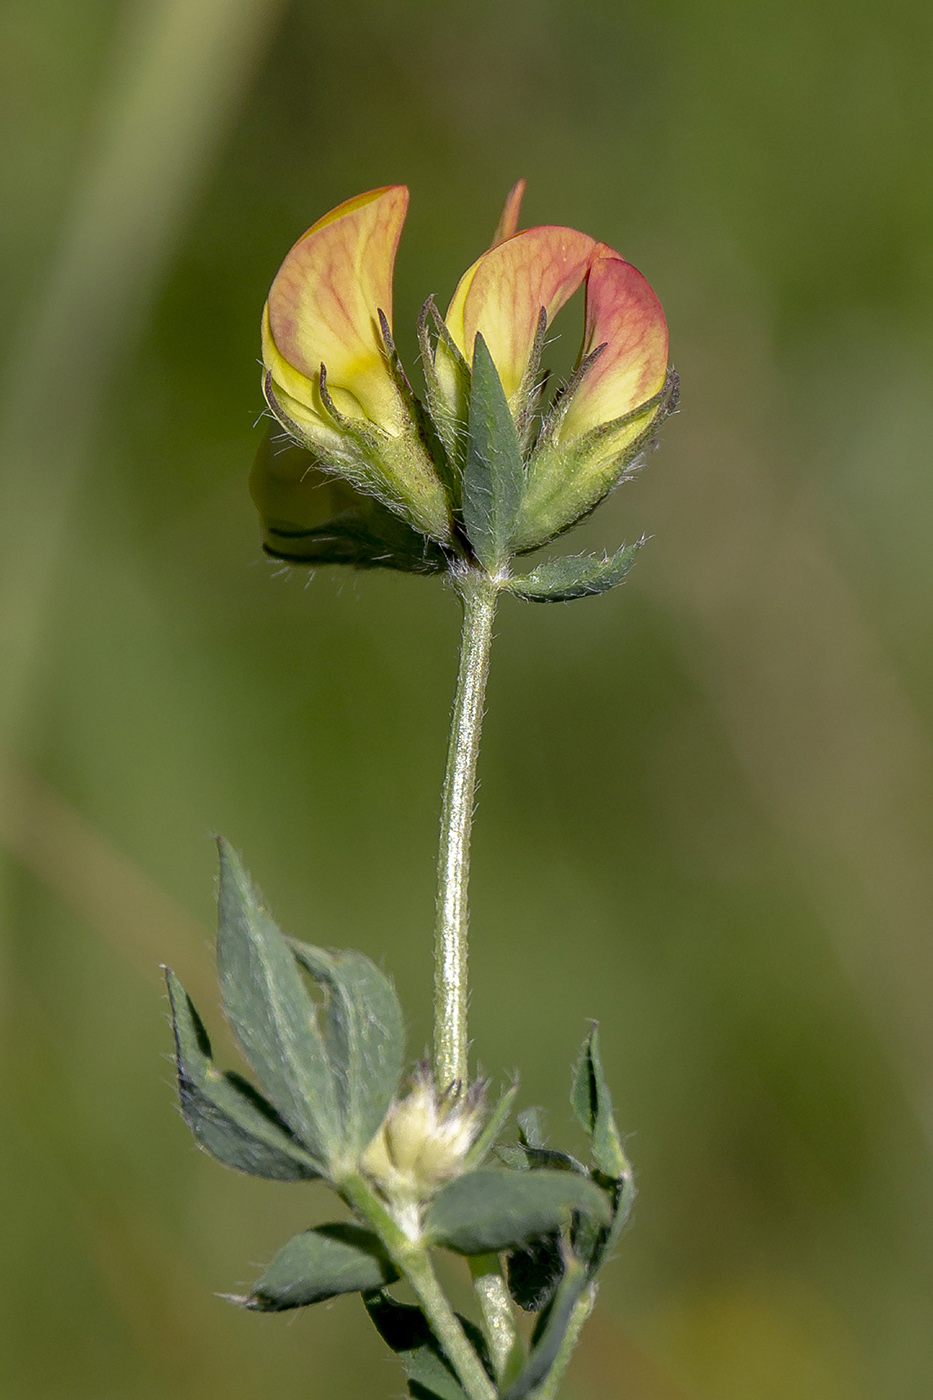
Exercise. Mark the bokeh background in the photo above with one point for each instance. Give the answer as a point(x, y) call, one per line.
point(707, 807)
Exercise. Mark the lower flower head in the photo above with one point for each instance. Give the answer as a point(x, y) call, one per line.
point(424, 1140)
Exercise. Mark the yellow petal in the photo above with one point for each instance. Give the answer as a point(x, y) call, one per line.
point(324, 307)
point(622, 313)
point(502, 294)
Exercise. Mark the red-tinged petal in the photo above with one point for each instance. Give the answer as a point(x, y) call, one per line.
point(324, 305)
point(502, 294)
point(622, 313)
point(507, 226)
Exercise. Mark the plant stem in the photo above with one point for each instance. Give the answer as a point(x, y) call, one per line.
point(495, 1309)
point(478, 593)
point(412, 1261)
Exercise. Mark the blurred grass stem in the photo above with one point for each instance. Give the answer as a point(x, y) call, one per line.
point(478, 594)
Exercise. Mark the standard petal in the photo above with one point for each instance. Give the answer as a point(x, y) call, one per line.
point(624, 315)
point(502, 294)
point(324, 307)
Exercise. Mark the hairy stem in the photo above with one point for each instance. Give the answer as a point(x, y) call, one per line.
point(413, 1262)
point(495, 1309)
point(478, 593)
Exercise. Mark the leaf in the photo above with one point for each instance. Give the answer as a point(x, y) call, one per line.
point(494, 1125)
point(573, 576)
point(319, 1264)
point(531, 1127)
point(493, 472)
point(309, 516)
point(364, 1037)
point(549, 1340)
point(592, 1103)
point(273, 1014)
point(534, 1272)
point(484, 1212)
point(228, 1117)
point(404, 1329)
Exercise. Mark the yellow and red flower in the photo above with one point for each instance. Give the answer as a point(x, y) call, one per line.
point(334, 382)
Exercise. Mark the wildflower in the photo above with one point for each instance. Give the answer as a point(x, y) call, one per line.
point(334, 382)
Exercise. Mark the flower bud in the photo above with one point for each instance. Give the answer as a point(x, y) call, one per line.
point(423, 1142)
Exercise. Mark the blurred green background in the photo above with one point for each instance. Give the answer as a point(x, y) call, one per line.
point(707, 804)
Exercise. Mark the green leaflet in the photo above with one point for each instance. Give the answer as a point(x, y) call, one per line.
point(272, 1012)
point(487, 1211)
point(404, 1329)
point(331, 1069)
point(364, 1037)
point(573, 576)
point(592, 1103)
point(319, 1264)
point(493, 472)
point(228, 1117)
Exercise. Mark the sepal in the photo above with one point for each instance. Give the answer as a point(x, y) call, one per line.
point(496, 1121)
point(573, 576)
point(565, 481)
point(395, 469)
point(319, 1264)
point(229, 1119)
point(447, 406)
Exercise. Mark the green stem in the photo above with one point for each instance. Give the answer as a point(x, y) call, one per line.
point(495, 1309)
point(413, 1263)
point(478, 593)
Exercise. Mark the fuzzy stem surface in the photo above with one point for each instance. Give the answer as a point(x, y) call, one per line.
point(478, 593)
point(413, 1262)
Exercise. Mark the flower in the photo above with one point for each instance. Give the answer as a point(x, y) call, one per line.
point(334, 382)
point(616, 396)
point(423, 1142)
point(330, 373)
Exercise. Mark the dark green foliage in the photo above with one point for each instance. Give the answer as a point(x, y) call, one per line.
point(319, 1264)
point(404, 1329)
point(228, 1117)
point(330, 1069)
point(592, 1103)
point(363, 1033)
point(573, 576)
point(493, 473)
point(484, 1212)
